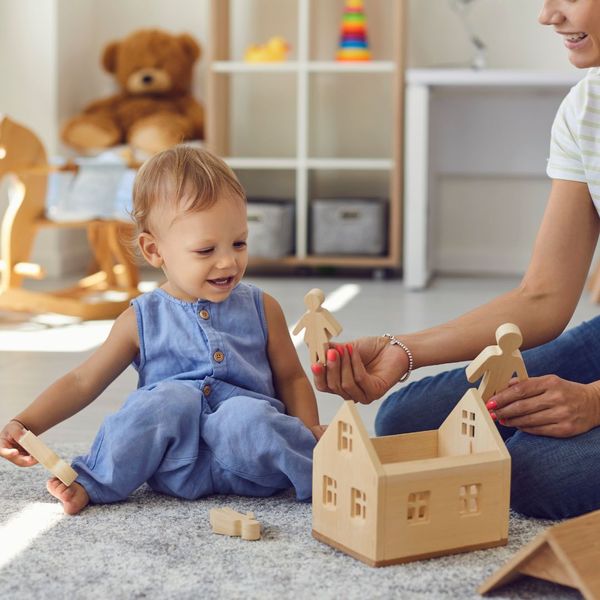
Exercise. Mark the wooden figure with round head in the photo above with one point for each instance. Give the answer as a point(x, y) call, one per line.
point(319, 324)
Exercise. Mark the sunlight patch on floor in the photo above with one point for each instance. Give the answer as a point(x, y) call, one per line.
point(39, 336)
point(52, 332)
point(60, 333)
point(21, 529)
point(333, 302)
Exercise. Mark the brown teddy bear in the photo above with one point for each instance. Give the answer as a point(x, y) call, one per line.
point(154, 109)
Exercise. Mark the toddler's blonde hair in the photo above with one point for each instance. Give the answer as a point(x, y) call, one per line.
point(181, 173)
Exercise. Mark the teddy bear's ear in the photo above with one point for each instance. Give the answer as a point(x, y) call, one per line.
point(190, 46)
point(109, 58)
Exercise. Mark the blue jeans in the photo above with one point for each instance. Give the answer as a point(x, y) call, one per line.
point(552, 478)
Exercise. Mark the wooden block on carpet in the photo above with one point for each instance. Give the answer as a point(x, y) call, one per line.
point(227, 521)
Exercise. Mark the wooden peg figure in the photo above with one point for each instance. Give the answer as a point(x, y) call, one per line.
point(319, 324)
point(497, 364)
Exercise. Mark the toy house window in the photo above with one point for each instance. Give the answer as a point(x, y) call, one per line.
point(468, 423)
point(344, 436)
point(469, 499)
point(358, 507)
point(418, 507)
point(329, 491)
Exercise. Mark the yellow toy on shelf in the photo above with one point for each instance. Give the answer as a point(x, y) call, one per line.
point(275, 50)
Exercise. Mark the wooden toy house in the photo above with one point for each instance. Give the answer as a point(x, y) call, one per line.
point(393, 499)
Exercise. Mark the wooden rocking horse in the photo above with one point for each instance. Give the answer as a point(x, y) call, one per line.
point(101, 295)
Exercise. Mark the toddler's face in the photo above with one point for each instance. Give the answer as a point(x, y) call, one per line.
point(204, 254)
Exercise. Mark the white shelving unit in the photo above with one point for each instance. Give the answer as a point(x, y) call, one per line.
point(303, 163)
point(421, 168)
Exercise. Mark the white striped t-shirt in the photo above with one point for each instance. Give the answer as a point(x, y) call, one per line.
point(575, 142)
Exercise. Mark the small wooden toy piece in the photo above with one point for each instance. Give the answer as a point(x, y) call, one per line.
point(320, 326)
point(46, 457)
point(275, 50)
point(566, 554)
point(397, 498)
point(227, 521)
point(497, 364)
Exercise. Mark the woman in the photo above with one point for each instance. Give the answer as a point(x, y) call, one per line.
point(550, 422)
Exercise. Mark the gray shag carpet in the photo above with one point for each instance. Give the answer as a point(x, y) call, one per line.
point(155, 546)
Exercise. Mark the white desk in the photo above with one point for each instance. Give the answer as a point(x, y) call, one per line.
point(419, 138)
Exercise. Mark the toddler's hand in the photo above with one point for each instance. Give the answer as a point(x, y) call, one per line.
point(9, 445)
point(318, 430)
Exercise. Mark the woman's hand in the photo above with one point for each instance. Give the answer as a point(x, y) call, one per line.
point(363, 370)
point(548, 406)
point(9, 445)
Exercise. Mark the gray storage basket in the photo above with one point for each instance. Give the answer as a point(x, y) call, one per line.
point(270, 228)
point(349, 226)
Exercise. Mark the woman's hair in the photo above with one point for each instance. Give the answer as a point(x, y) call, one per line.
point(182, 174)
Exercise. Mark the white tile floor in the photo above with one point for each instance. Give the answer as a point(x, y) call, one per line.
point(35, 351)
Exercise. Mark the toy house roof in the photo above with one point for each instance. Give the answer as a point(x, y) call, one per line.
point(431, 449)
point(566, 553)
point(349, 414)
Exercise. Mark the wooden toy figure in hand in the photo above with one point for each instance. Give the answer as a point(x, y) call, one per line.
point(320, 326)
point(498, 364)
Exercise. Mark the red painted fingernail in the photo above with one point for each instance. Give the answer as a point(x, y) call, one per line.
point(491, 405)
point(340, 349)
point(317, 369)
point(350, 349)
point(332, 355)
point(502, 421)
point(493, 415)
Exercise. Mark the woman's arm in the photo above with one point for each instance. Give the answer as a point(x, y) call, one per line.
point(541, 305)
point(544, 302)
point(78, 388)
point(291, 383)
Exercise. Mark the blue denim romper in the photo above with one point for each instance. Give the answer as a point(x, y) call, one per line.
point(203, 419)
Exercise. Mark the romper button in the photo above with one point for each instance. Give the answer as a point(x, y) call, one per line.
point(219, 356)
point(204, 314)
point(206, 390)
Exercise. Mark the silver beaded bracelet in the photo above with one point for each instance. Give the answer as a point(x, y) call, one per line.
point(394, 341)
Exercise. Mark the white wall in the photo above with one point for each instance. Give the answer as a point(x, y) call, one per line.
point(28, 79)
point(29, 89)
point(49, 68)
point(489, 148)
point(509, 28)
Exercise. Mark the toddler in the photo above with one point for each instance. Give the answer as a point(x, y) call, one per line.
point(223, 405)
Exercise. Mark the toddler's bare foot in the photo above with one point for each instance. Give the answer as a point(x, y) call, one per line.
point(74, 497)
